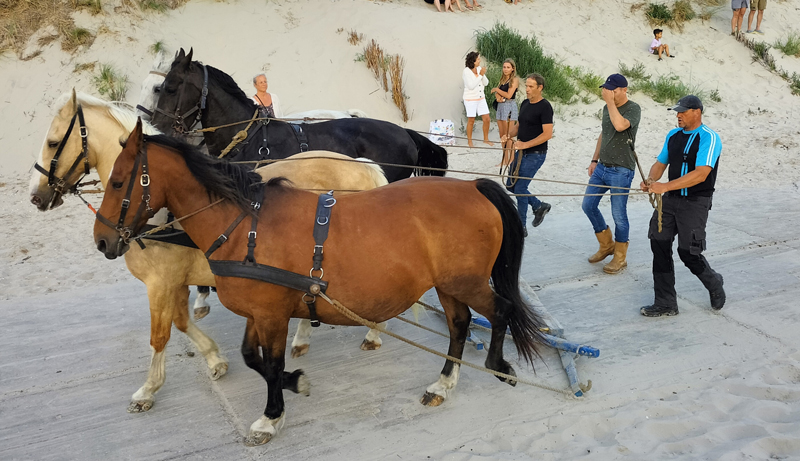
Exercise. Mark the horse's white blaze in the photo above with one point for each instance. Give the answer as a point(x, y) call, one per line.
point(445, 384)
point(156, 376)
point(264, 425)
point(303, 335)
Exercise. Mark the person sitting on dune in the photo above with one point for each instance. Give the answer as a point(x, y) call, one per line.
point(656, 47)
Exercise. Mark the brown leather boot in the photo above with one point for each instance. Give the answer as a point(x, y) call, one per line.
point(606, 246)
point(618, 263)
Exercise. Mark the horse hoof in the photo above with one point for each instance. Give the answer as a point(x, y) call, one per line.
point(255, 438)
point(140, 406)
point(510, 382)
point(368, 345)
point(432, 400)
point(218, 371)
point(200, 312)
point(299, 351)
point(303, 385)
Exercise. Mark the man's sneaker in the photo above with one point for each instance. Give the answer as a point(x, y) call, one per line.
point(538, 215)
point(658, 311)
point(717, 295)
point(525, 232)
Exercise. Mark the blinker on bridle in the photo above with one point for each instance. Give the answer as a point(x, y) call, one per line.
point(179, 121)
point(127, 233)
point(60, 185)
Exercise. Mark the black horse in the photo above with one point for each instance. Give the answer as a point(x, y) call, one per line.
point(194, 92)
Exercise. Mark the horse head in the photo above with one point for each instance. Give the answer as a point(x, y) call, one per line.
point(152, 85)
point(181, 100)
point(58, 167)
point(129, 200)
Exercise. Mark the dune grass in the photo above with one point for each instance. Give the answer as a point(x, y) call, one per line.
point(110, 83)
point(789, 45)
point(157, 47)
point(75, 37)
point(667, 89)
point(634, 72)
point(94, 7)
point(501, 42)
point(659, 14)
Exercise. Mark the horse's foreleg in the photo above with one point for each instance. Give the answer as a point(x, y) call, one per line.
point(458, 318)
point(373, 341)
point(494, 358)
point(201, 307)
point(271, 336)
point(217, 363)
point(161, 312)
point(302, 339)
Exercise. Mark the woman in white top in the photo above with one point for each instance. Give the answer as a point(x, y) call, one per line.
point(268, 104)
point(474, 100)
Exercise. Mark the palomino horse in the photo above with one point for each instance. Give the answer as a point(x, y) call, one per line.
point(152, 84)
point(182, 105)
point(377, 260)
point(166, 269)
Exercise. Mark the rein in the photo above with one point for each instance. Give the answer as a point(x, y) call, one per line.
point(179, 121)
point(60, 185)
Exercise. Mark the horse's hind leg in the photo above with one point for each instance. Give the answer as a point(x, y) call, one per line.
point(201, 307)
point(494, 358)
point(373, 340)
point(302, 339)
point(271, 336)
point(458, 318)
point(217, 363)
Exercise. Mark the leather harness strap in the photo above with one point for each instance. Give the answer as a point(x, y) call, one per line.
point(324, 205)
point(300, 135)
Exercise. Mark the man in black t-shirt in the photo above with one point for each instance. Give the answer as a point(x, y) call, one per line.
point(535, 128)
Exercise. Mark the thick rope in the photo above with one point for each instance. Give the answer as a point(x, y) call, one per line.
point(239, 137)
point(356, 318)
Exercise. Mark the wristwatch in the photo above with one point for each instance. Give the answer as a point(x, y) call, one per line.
point(594, 161)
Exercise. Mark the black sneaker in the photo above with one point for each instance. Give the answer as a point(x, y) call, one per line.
point(525, 232)
point(658, 311)
point(718, 295)
point(539, 214)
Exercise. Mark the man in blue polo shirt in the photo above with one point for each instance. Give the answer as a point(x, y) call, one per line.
point(691, 152)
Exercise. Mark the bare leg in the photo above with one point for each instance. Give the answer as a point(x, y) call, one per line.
point(487, 123)
point(666, 47)
point(470, 125)
point(758, 21)
point(438, 5)
point(750, 21)
point(502, 129)
point(734, 19)
point(460, 8)
point(448, 6)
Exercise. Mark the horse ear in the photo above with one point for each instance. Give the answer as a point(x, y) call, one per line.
point(180, 54)
point(189, 56)
point(74, 101)
point(137, 135)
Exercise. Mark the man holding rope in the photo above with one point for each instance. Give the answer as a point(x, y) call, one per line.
point(612, 167)
point(691, 152)
point(535, 128)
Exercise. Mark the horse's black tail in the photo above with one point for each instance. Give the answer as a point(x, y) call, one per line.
point(523, 321)
point(429, 155)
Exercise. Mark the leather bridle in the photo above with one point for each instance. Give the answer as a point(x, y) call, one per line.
point(60, 185)
point(140, 107)
point(127, 233)
point(179, 121)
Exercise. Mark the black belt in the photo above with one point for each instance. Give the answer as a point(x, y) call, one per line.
point(526, 152)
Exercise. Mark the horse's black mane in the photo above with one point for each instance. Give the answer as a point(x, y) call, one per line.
point(227, 84)
point(222, 179)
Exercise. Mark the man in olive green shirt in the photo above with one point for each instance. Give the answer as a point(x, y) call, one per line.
point(613, 165)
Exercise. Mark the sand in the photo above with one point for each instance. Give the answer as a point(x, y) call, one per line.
point(698, 386)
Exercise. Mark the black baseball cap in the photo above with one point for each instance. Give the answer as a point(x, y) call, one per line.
point(615, 81)
point(687, 103)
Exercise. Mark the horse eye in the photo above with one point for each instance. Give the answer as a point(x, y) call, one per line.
point(157, 89)
point(117, 185)
point(171, 90)
point(52, 144)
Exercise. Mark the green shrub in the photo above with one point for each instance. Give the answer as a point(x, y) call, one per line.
point(586, 80)
point(159, 6)
point(111, 84)
point(635, 72)
point(658, 14)
point(501, 42)
point(667, 89)
point(74, 37)
point(789, 45)
point(157, 47)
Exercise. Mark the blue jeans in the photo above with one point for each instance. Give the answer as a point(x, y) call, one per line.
point(528, 168)
point(609, 176)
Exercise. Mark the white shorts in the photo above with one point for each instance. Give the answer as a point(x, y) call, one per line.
point(478, 107)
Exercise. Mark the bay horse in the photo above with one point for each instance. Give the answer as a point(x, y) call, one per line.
point(182, 104)
point(168, 269)
point(377, 260)
point(154, 81)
